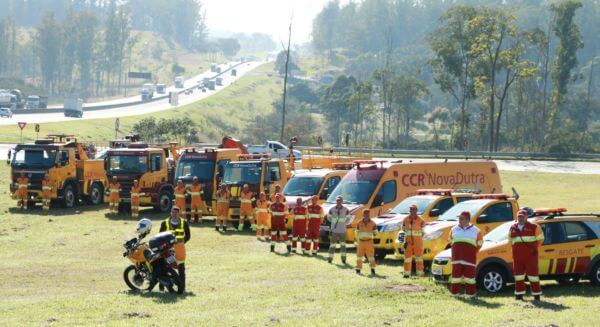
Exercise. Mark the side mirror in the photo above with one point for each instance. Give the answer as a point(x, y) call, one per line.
point(434, 213)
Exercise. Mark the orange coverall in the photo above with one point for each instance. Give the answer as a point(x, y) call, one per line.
point(246, 210)
point(113, 197)
point(263, 219)
point(22, 184)
point(135, 200)
point(180, 200)
point(46, 194)
point(364, 233)
point(222, 208)
point(413, 243)
point(196, 193)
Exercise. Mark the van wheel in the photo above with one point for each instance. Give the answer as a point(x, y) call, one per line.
point(595, 274)
point(492, 279)
point(96, 196)
point(165, 201)
point(69, 196)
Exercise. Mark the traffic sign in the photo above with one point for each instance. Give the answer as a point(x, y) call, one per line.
point(21, 124)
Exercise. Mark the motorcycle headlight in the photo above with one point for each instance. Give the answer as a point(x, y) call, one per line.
point(390, 227)
point(432, 235)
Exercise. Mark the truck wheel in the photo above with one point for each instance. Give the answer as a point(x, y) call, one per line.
point(96, 196)
point(69, 196)
point(595, 274)
point(165, 201)
point(380, 255)
point(492, 279)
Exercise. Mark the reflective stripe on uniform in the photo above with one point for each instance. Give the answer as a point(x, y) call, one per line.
point(519, 278)
point(540, 236)
point(454, 280)
point(365, 235)
point(413, 233)
point(46, 188)
point(246, 201)
point(261, 210)
point(195, 193)
point(135, 194)
point(533, 278)
point(179, 232)
point(180, 195)
point(314, 215)
point(464, 240)
point(470, 281)
point(278, 213)
point(299, 217)
point(524, 239)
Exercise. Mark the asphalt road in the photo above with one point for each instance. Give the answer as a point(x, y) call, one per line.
point(139, 109)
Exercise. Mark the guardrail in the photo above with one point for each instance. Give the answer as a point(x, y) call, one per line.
point(468, 154)
point(93, 107)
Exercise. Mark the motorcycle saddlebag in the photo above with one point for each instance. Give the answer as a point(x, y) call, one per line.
point(161, 241)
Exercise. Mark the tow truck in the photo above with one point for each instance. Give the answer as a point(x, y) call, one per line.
point(488, 211)
point(431, 203)
point(74, 175)
point(152, 165)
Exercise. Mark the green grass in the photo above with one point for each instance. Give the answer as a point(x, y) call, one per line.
point(229, 112)
point(65, 268)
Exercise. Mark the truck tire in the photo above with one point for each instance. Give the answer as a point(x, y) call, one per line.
point(380, 255)
point(492, 279)
point(595, 274)
point(165, 201)
point(69, 196)
point(96, 196)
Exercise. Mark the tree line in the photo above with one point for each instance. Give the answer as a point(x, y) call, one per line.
point(474, 75)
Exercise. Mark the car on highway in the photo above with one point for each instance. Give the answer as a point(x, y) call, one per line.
point(6, 112)
point(570, 251)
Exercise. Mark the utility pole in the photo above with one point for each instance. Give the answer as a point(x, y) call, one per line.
point(287, 61)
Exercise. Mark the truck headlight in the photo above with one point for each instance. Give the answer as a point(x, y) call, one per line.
point(433, 235)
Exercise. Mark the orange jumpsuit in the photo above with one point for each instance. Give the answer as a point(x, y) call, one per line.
point(246, 210)
point(315, 218)
point(135, 200)
point(113, 197)
point(278, 215)
point(222, 208)
point(196, 193)
point(300, 217)
point(22, 184)
point(264, 219)
point(46, 194)
point(413, 243)
point(465, 245)
point(525, 243)
point(364, 233)
point(180, 200)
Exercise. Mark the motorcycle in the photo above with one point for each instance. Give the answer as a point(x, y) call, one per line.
point(153, 263)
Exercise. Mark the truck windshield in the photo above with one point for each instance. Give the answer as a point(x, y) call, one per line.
point(37, 158)
point(127, 164)
point(357, 186)
point(303, 186)
point(243, 173)
point(499, 234)
point(452, 213)
point(203, 169)
point(404, 206)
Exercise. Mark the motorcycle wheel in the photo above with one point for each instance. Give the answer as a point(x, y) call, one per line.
point(136, 279)
point(176, 285)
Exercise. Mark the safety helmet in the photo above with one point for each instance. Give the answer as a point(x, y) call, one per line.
point(143, 227)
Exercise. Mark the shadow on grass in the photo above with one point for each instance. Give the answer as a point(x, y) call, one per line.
point(162, 297)
point(56, 210)
point(479, 302)
point(583, 289)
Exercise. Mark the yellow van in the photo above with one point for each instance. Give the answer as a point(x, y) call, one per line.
point(379, 185)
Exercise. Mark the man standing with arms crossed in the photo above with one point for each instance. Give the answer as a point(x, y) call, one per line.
point(339, 222)
point(365, 230)
point(413, 242)
point(526, 238)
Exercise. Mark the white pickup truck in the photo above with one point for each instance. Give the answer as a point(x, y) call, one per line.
point(275, 149)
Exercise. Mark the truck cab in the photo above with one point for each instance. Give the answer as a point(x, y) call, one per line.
point(208, 164)
point(73, 174)
point(151, 166)
point(488, 211)
point(261, 175)
point(306, 184)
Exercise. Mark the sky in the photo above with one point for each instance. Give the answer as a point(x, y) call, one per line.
point(266, 16)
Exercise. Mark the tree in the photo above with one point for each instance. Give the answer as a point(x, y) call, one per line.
point(407, 90)
point(569, 41)
point(280, 63)
point(48, 48)
point(324, 31)
point(228, 46)
point(335, 103)
point(438, 118)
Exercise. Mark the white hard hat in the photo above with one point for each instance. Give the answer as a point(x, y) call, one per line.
point(144, 226)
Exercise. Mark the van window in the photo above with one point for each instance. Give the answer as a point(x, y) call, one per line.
point(496, 213)
point(386, 194)
point(333, 182)
point(572, 232)
point(444, 205)
point(156, 161)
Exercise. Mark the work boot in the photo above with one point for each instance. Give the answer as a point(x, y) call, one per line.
point(406, 275)
point(224, 228)
point(344, 260)
point(372, 271)
point(330, 260)
point(289, 248)
point(217, 228)
point(357, 271)
point(272, 247)
point(519, 297)
point(536, 298)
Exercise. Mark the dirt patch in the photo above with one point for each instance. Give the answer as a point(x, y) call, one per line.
point(404, 288)
point(129, 315)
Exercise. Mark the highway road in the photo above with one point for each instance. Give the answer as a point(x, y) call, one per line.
point(144, 108)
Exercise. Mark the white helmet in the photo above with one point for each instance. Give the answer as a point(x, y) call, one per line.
point(143, 227)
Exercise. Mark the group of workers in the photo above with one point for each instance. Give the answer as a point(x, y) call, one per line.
point(22, 192)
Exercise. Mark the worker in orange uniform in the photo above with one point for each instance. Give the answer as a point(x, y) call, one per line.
point(300, 219)
point(246, 209)
point(262, 217)
point(315, 218)
point(365, 230)
point(278, 219)
point(466, 241)
point(196, 193)
point(46, 192)
point(136, 193)
point(526, 238)
point(181, 229)
point(180, 192)
point(114, 187)
point(22, 185)
point(275, 192)
point(223, 196)
point(412, 225)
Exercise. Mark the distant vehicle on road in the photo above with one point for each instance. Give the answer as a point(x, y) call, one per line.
point(73, 107)
point(219, 81)
point(36, 102)
point(234, 72)
point(5, 112)
point(147, 91)
point(213, 67)
point(211, 85)
point(275, 149)
point(8, 100)
point(179, 82)
point(161, 88)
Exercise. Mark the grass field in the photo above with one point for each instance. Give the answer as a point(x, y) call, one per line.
point(65, 268)
point(228, 112)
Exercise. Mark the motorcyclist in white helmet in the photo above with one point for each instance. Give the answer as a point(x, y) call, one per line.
point(143, 228)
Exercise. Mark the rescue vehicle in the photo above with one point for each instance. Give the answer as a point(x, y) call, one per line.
point(570, 251)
